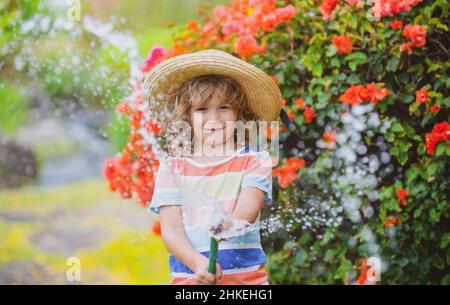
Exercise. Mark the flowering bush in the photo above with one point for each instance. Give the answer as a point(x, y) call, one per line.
point(363, 173)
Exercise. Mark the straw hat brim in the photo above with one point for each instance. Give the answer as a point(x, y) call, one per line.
point(263, 94)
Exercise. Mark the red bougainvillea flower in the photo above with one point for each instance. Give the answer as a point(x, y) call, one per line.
point(232, 27)
point(329, 138)
point(391, 221)
point(247, 46)
point(274, 78)
point(354, 95)
point(117, 172)
point(309, 114)
point(439, 133)
point(401, 196)
point(132, 171)
point(221, 13)
point(416, 35)
point(192, 25)
point(358, 94)
point(407, 46)
point(384, 8)
point(300, 103)
point(343, 44)
point(327, 7)
point(156, 228)
point(156, 55)
point(244, 22)
point(375, 94)
point(421, 96)
point(396, 24)
point(435, 108)
point(269, 22)
point(290, 115)
point(124, 108)
point(295, 163)
point(287, 173)
point(285, 14)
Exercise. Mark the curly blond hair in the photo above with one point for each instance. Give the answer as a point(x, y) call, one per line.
point(206, 88)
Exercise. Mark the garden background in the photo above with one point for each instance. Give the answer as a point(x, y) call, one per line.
point(363, 170)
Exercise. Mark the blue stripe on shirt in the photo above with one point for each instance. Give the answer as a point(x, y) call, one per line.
point(227, 259)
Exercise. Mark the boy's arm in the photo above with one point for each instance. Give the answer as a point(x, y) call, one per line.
point(176, 242)
point(250, 203)
point(174, 238)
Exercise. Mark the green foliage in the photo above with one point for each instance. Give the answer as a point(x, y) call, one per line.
point(13, 108)
point(415, 250)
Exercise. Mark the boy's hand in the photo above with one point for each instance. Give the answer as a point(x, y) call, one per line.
point(203, 277)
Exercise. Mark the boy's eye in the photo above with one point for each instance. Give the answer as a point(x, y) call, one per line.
point(225, 107)
point(201, 109)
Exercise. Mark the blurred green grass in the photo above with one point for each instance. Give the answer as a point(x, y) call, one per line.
point(153, 37)
point(114, 241)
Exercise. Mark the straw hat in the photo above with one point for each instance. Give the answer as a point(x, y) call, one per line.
point(263, 94)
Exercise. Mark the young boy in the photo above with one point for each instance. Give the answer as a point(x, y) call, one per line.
point(215, 91)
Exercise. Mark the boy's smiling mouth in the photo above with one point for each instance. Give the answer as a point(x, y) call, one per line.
point(212, 130)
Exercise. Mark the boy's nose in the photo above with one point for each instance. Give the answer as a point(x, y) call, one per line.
point(213, 124)
point(213, 119)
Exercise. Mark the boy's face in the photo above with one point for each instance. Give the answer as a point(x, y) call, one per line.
point(209, 122)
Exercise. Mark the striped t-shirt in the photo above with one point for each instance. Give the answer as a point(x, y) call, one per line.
point(241, 258)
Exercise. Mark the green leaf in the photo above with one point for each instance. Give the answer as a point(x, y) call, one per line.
point(418, 212)
point(317, 70)
point(353, 79)
point(329, 255)
point(397, 127)
point(445, 240)
point(357, 57)
point(335, 62)
point(431, 169)
point(411, 174)
point(280, 77)
point(392, 64)
point(408, 98)
point(434, 215)
point(404, 146)
point(322, 100)
point(440, 150)
point(300, 257)
point(414, 109)
point(421, 149)
point(409, 130)
point(402, 158)
point(394, 151)
point(343, 269)
point(331, 50)
point(438, 24)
